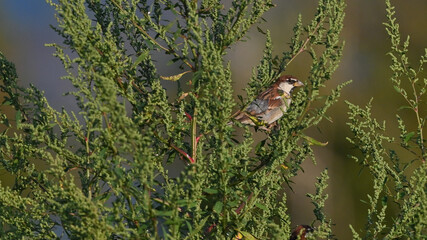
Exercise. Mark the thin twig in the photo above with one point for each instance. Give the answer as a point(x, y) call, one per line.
point(304, 45)
point(141, 29)
point(193, 136)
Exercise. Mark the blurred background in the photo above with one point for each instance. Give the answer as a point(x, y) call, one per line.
point(24, 29)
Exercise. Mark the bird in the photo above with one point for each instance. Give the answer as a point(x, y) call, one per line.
point(270, 105)
point(300, 232)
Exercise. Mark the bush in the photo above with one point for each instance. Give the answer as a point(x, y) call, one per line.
point(105, 171)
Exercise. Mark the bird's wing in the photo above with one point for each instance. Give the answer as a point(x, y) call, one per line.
point(267, 100)
point(258, 106)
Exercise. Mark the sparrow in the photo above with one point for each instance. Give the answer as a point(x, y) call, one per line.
point(269, 105)
point(300, 232)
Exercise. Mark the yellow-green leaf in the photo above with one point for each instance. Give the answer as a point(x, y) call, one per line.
point(174, 77)
point(247, 236)
point(313, 141)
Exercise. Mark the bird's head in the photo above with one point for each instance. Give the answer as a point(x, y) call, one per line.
point(287, 83)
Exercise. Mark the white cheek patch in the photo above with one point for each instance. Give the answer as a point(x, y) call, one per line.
point(286, 87)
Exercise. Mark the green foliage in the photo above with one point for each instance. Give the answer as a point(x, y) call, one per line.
point(324, 230)
point(104, 173)
point(399, 174)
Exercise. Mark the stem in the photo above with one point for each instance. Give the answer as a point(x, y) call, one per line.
point(194, 135)
point(304, 45)
point(153, 216)
point(417, 114)
point(182, 152)
point(420, 127)
point(88, 153)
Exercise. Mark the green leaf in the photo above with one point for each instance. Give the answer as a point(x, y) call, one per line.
point(110, 219)
point(260, 145)
point(260, 30)
point(384, 200)
point(198, 228)
point(119, 172)
point(163, 213)
point(174, 77)
point(397, 89)
point(240, 98)
point(18, 117)
point(103, 197)
point(313, 141)
point(141, 57)
point(182, 202)
point(218, 207)
point(210, 190)
point(404, 107)
point(261, 206)
point(408, 136)
point(169, 26)
point(102, 153)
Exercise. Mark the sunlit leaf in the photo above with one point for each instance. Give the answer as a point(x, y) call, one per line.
point(313, 141)
point(247, 236)
point(261, 206)
point(174, 77)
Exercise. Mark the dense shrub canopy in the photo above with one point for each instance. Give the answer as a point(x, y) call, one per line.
point(104, 172)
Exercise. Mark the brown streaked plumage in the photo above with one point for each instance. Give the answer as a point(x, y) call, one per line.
point(300, 232)
point(271, 104)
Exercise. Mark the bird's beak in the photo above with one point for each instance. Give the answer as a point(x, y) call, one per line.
point(298, 84)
